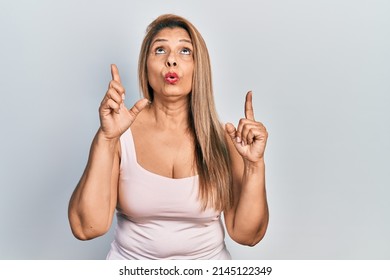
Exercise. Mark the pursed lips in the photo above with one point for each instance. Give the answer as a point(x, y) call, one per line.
point(171, 78)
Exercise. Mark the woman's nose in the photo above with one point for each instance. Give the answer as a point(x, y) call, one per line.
point(171, 61)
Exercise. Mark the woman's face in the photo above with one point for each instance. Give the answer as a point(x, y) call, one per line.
point(170, 63)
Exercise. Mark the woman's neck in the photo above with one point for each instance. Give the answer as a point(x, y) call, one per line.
point(170, 115)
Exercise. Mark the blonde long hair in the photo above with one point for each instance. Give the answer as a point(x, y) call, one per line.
point(211, 153)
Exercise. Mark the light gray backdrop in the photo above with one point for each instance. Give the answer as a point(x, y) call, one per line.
point(320, 72)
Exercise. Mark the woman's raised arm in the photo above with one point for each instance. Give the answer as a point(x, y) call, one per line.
point(247, 220)
point(92, 205)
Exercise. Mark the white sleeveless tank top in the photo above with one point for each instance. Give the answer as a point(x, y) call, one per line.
point(160, 217)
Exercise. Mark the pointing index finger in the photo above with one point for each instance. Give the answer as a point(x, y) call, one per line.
point(249, 114)
point(115, 73)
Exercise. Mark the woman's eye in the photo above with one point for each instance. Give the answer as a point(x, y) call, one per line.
point(159, 50)
point(186, 51)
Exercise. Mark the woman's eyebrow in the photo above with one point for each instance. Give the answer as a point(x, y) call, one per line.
point(165, 40)
point(159, 40)
point(186, 40)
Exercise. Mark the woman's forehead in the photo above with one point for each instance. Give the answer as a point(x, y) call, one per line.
point(175, 33)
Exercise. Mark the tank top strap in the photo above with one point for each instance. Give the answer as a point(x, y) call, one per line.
point(128, 155)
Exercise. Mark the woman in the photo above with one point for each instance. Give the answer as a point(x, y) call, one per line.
point(167, 165)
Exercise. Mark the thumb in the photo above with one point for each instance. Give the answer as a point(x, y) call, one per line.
point(231, 130)
point(138, 107)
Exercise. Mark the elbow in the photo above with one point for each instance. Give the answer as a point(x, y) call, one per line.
point(258, 236)
point(80, 234)
point(83, 231)
point(85, 234)
point(250, 239)
point(256, 240)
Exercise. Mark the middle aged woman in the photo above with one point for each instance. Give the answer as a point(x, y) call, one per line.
point(168, 165)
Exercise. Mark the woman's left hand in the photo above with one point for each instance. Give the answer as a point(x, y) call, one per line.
point(250, 137)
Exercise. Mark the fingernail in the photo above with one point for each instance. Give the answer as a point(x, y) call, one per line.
point(238, 139)
point(123, 96)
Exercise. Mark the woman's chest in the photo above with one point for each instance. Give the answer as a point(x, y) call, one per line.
point(169, 155)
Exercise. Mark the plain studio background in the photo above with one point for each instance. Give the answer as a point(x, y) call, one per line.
point(320, 73)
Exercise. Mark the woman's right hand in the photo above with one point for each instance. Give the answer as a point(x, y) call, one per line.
point(115, 119)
